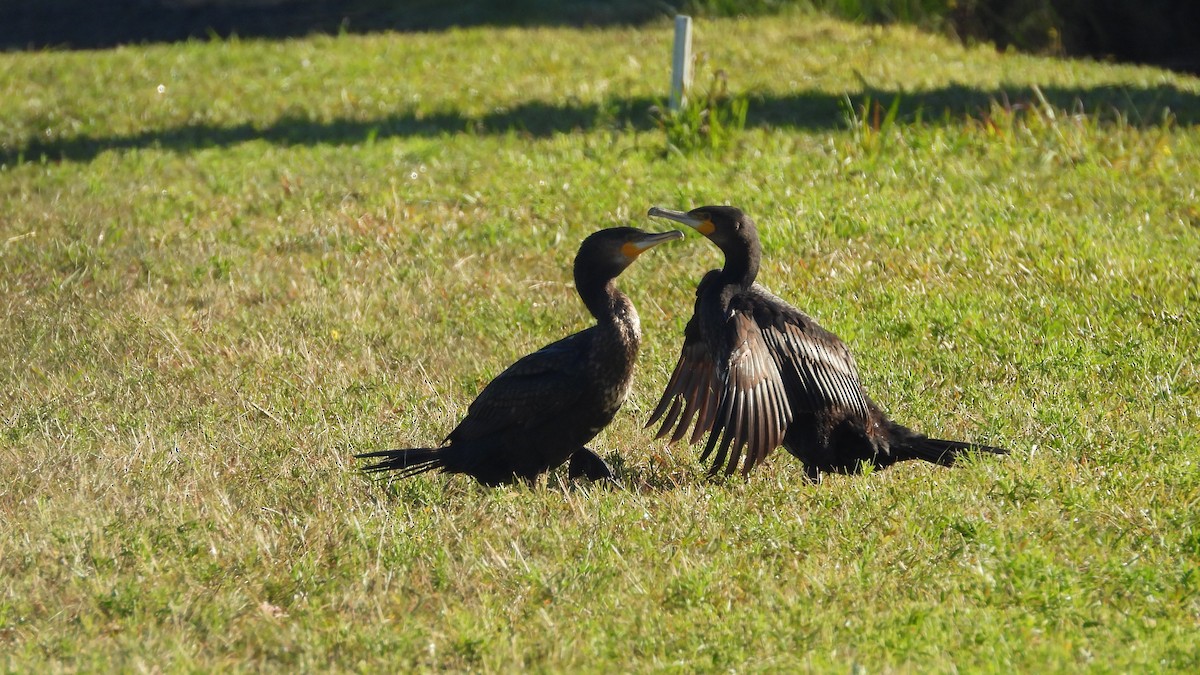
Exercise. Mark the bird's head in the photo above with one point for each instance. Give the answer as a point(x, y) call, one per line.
point(608, 252)
point(725, 226)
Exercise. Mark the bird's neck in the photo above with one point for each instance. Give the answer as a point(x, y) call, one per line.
point(740, 270)
point(612, 308)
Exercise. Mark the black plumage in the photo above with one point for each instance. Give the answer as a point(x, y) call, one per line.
point(756, 373)
point(542, 409)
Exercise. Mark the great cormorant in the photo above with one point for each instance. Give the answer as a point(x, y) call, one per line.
point(542, 409)
point(756, 373)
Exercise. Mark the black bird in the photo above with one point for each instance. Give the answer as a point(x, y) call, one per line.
point(542, 409)
point(756, 373)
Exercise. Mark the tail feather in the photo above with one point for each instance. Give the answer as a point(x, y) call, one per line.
point(912, 445)
point(405, 462)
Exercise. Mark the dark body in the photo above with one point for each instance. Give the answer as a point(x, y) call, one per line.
point(544, 408)
point(756, 373)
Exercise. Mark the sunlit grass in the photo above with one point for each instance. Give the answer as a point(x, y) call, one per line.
point(213, 296)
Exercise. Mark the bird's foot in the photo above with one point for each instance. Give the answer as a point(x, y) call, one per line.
point(812, 473)
point(587, 464)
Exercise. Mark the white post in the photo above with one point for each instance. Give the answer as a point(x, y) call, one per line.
point(681, 63)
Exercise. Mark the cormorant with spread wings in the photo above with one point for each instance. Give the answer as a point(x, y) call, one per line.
point(756, 373)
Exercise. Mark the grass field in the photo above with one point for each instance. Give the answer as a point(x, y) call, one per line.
point(226, 267)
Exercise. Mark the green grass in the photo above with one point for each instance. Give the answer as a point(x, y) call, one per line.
point(214, 295)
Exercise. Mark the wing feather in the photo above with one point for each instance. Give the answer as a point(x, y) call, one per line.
point(818, 370)
point(688, 394)
point(537, 387)
point(735, 393)
point(750, 427)
point(746, 370)
point(707, 406)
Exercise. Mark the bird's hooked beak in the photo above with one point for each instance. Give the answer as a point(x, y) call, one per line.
point(635, 247)
point(703, 226)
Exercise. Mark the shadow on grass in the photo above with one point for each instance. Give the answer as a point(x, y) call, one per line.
point(808, 110)
point(1150, 31)
point(88, 24)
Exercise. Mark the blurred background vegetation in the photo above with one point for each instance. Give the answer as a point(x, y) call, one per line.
point(1161, 32)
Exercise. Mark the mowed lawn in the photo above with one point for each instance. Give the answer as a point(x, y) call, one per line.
point(227, 267)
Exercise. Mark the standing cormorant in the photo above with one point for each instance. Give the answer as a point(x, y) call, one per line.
point(542, 409)
point(756, 373)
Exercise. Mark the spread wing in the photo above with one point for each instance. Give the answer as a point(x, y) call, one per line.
point(765, 364)
point(753, 413)
point(734, 392)
point(538, 387)
point(693, 389)
point(817, 368)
